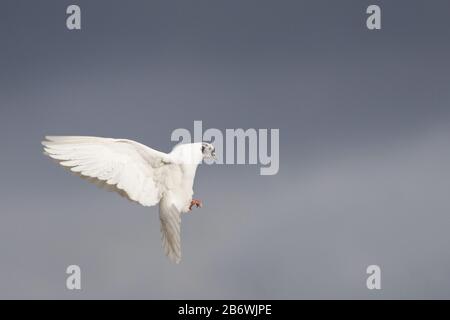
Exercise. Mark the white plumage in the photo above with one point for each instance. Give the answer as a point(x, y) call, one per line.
point(139, 173)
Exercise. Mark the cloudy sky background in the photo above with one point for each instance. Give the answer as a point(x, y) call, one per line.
point(364, 147)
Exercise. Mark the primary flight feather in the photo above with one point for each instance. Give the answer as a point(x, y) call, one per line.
point(139, 173)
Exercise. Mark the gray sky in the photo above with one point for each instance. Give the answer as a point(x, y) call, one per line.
point(364, 147)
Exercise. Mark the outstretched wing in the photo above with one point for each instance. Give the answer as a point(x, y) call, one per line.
point(125, 166)
point(170, 218)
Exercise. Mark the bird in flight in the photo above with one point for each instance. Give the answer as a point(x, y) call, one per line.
point(139, 173)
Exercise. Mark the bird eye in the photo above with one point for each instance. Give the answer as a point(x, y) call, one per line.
point(203, 149)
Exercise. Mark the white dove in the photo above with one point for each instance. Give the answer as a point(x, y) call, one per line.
point(138, 173)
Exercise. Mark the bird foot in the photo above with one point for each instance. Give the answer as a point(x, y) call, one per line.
point(196, 203)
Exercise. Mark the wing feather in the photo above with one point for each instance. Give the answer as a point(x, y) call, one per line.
point(125, 166)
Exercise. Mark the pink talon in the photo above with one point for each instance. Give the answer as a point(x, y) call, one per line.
point(196, 203)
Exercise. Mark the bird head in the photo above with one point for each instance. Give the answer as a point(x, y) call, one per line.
point(193, 153)
point(208, 151)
